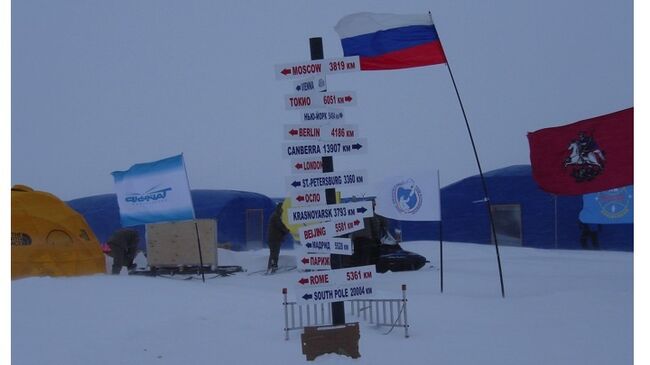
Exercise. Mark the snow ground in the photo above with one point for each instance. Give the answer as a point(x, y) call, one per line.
point(561, 307)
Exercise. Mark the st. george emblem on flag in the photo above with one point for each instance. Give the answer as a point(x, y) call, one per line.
point(414, 197)
point(152, 192)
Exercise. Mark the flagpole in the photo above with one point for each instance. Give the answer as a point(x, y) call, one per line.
point(196, 224)
point(478, 163)
point(440, 230)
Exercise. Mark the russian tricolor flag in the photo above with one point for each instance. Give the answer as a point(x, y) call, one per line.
point(389, 41)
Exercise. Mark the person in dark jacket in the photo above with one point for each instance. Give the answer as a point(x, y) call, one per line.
point(276, 230)
point(368, 240)
point(124, 246)
point(589, 232)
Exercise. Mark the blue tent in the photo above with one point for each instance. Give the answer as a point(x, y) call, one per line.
point(242, 217)
point(545, 220)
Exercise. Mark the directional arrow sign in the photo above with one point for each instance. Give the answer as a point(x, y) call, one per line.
point(319, 100)
point(326, 180)
point(314, 262)
point(305, 198)
point(311, 84)
point(330, 229)
point(333, 293)
point(317, 67)
point(325, 148)
point(326, 132)
point(331, 245)
point(347, 276)
point(320, 115)
point(307, 165)
point(362, 209)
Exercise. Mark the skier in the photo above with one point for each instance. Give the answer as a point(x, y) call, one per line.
point(277, 230)
point(123, 245)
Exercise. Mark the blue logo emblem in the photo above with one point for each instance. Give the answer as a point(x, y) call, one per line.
point(614, 203)
point(147, 196)
point(407, 197)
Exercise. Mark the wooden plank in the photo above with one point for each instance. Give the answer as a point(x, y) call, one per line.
point(173, 244)
point(341, 339)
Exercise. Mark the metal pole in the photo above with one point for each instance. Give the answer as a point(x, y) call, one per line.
point(196, 225)
point(440, 232)
point(478, 163)
point(555, 200)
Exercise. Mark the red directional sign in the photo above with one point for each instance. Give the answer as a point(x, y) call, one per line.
point(330, 229)
point(314, 262)
point(317, 67)
point(319, 100)
point(326, 132)
point(345, 276)
point(304, 198)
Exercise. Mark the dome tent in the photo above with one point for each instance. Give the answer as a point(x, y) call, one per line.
point(239, 215)
point(48, 238)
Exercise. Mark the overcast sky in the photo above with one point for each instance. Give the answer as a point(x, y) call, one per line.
point(98, 86)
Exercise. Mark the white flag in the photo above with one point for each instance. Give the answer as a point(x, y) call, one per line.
point(154, 192)
point(410, 198)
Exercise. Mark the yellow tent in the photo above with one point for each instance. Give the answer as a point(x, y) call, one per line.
point(48, 238)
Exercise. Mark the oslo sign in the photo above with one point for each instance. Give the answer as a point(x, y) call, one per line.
point(326, 132)
point(328, 66)
point(326, 180)
point(324, 148)
point(320, 115)
point(319, 100)
point(330, 229)
point(305, 198)
point(323, 213)
point(331, 245)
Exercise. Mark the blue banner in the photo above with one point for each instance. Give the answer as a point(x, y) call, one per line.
point(153, 192)
point(614, 206)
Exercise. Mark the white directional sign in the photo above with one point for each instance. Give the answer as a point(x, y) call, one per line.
point(309, 165)
point(362, 209)
point(319, 100)
point(326, 132)
point(353, 275)
point(317, 67)
point(330, 245)
point(334, 293)
point(326, 180)
point(330, 229)
point(325, 148)
point(320, 115)
point(305, 198)
point(311, 84)
point(310, 261)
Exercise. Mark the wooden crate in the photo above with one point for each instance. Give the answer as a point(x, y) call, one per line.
point(173, 244)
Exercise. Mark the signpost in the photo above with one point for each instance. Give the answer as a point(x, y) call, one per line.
point(329, 245)
point(330, 66)
point(311, 261)
point(325, 148)
point(330, 228)
point(319, 100)
point(321, 115)
point(335, 285)
point(328, 212)
point(311, 84)
point(326, 132)
point(326, 180)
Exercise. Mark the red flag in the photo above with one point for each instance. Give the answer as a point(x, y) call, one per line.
point(588, 156)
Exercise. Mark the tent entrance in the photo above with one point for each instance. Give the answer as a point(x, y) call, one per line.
point(254, 229)
point(507, 223)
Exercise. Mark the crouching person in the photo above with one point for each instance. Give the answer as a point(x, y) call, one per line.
point(123, 244)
